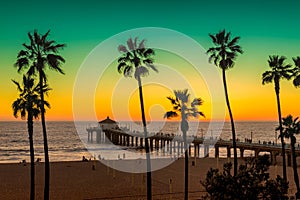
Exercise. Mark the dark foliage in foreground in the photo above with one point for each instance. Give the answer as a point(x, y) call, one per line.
point(252, 182)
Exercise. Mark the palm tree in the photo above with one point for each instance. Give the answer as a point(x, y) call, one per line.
point(37, 56)
point(279, 70)
point(290, 128)
point(223, 56)
point(180, 107)
point(27, 104)
point(136, 60)
point(296, 72)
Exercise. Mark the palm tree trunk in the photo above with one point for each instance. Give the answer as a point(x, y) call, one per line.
point(235, 163)
point(296, 177)
point(280, 130)
point(32, 170)
point(149, 178)
point(186, 167)
point(47, 164)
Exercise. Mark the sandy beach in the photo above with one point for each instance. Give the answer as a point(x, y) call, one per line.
point(78, 180)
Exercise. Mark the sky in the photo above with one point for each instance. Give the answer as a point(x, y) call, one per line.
point(265, 27)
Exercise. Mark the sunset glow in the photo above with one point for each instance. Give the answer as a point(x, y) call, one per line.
point(83, 27)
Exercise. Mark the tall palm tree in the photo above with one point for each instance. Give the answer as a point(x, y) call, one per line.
point(136, 60)
point(181, 107)
point(290, 128)
point(37, 56)
point(27, 104)
point(279, 70)
point(296, 72)
point(223, 55)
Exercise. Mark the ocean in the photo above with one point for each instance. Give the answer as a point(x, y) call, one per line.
point(68, 140)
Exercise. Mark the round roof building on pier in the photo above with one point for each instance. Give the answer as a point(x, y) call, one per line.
point(108, 124)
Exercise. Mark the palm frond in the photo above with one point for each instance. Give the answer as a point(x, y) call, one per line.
point(45, 89)
point(221, 37)
point(152, 67)
point(213, 38)
point(182, 95)
point(142, 44)
point(130, 44)
point(122, 49)
point(18, 85)
point(49, 43)
point(37, 38)
point(54, 48)
point(135, 43)
point(54, 61)
point(211, 50)
point(123, 59)
point(141, 71)
point(227, 36)
point(148, 52)
point(128, 70)
point(32, 43)
point(36, 113)
point(43, 39)
point(296, 81)
point(267, 77)
point(31, 71)
point(233, 41)
point(170, 114)
point(29, 48)
point(22, 53)
point(15, 106)
point(297, 61)
point(121, 66)
point(173, 101)
point(47, 104)
point(197, 102)
point(21, 63)
point(281, 60)
point(148, 61)
point(201, 114)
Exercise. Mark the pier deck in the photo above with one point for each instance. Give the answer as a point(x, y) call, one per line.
point(171, 143)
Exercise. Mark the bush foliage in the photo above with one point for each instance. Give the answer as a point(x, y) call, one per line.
point(251, 182)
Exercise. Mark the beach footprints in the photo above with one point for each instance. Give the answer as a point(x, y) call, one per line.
point(175, 61)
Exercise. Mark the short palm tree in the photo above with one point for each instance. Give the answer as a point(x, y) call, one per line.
point(27, 104)
point(290, 128)
point(37, 56)
point(296, 72)
point(181, 107)
point(136, 60)
point(279, 70)
point(223, 54)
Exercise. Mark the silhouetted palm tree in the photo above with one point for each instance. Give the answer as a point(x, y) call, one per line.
point(27, 104)
point(279, 70)
point(181, 107)
point(223, 56)
point(290, 128)
point(296, 72)
point(37, 56)
point(137, 60)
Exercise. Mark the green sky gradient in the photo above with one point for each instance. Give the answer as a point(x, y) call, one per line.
point(265, 27)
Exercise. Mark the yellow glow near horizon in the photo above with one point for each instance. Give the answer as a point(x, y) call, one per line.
point(249, 99)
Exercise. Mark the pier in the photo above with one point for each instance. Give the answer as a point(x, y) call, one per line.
point(173, 144)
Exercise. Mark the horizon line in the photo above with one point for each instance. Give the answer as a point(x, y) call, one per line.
point(201, 121)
